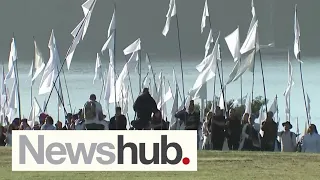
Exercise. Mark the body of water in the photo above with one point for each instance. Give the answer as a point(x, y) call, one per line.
point(80, 84)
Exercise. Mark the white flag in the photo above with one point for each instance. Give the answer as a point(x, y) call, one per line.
point(205, 14)
point(38, 63)
point(171, 12)
point(51, 70)
point(251, 40)
point(134, 47)
point(98, 69)
point(296, 47)
point(233, 42)
point(208, 43)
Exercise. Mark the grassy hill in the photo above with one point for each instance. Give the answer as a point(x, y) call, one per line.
point(211, 165)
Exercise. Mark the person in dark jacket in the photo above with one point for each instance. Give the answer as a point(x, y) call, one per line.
point(158, 123)
point(190, 117)
point(144, 106)
point(270, 129)
point(217, 126)
point(119, 121)
point(233, 128)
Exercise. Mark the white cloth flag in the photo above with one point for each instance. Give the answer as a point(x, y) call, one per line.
point(296, 47)
point(208, 43)
point(248, 105)
point(38, 64)
point(12, 59)
point(205, 14)
point(134, 47)
point(111, 33)
point(251, 40)
point(233, 42)
point(79, 32)
point(167, 96)
point(247, 65)
point(51, 70)
point(35, 112)
point(221, 101)
point(13, 103)
point(209, 72)
point(98, 70)
point(204, 63)
point(171, 12)
point(31, 70)
point(109, 83)
point(112, 25)
point(122, 76)
point(274, 106)
point(109, 44)
point(148, 63)
point(233, 73)
point(308, 107)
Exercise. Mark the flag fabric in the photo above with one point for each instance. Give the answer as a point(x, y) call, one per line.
point(80, 30)
point(233, 42)
point(296, 46)
point(51, 70)
point(205, 14)
point(171, 12)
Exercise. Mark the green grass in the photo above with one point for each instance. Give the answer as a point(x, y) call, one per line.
point(211, 166)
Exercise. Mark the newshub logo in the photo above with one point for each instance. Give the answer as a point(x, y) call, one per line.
point(104, 151)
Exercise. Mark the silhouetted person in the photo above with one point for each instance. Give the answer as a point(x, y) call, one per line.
point(119, 121)
point(217, 126)
point(144, 106)
point(233, 129)
point(270, 129)
point(93, 114)
point(190, 117)
point(158, 123)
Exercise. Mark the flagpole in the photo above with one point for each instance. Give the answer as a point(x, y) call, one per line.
point(114, 67)
point(102, 89)
point(180, 56)
point(31, 93)
point(152, 71)
point(301, 72)
point(303, 90)
point(65, 59)
point(221, 82)
point(140, 80)
point(241, 96)
point(264, 85)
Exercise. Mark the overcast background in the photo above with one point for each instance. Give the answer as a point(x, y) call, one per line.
point(146, 18)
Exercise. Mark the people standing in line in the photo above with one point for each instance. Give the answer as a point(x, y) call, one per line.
point(119, 121)
point(311, 141)
point(270, 133)
point(217, 126)
point(93, 114)
point(233, 129)
point(144, 106)
point(288, 142)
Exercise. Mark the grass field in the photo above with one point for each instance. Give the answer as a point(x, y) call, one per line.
point(211, 166)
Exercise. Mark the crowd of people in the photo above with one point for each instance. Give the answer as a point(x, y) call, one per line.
point(217, 132)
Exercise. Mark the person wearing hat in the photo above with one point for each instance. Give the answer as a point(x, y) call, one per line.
point(288, 141)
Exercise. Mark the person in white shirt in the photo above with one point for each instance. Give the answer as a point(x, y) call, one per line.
point(93, 114)
point(287, 138)
point(9, 136)
point(311, 141)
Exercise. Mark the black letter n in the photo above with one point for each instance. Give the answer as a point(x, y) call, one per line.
point(121, 148)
